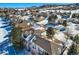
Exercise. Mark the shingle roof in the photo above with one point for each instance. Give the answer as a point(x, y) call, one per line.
point(43, 43)
point(49, 46)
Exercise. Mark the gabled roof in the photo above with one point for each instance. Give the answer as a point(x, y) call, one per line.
point(48, 45)
point(43, 43)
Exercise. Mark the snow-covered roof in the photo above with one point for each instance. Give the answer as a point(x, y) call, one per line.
point(59, 26)
point(43, 22)
point(58, 16)
point(60, 36)
point(71, 24)
point(25, 17)
point(37, 27)
point(72, 30)
point(68, 43)
point(44, 33)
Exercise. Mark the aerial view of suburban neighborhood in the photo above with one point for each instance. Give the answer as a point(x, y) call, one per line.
point(44, 29)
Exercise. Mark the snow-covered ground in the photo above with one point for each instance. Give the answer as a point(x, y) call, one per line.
point(3, 32)
point(5, 45)
point(62, 11)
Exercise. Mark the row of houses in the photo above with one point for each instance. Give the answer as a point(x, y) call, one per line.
point(37, 42)
point(34, 26)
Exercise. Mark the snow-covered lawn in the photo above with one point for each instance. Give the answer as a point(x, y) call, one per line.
point(3, 32)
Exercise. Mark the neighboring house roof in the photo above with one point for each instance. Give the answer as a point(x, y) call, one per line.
point(50, 25)
point(24, 26)
point(60, 36)
point(71, 30)
point(43, 43)
point(60, 27)
point(49, 46)
point(43, 22)
point(37, 27)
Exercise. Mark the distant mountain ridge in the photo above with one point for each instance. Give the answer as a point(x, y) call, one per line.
point(77, 4)
point(59, 4)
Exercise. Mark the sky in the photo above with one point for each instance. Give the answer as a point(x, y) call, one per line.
point(20, 5)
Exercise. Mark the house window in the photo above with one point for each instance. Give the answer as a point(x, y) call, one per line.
point(34, 47)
